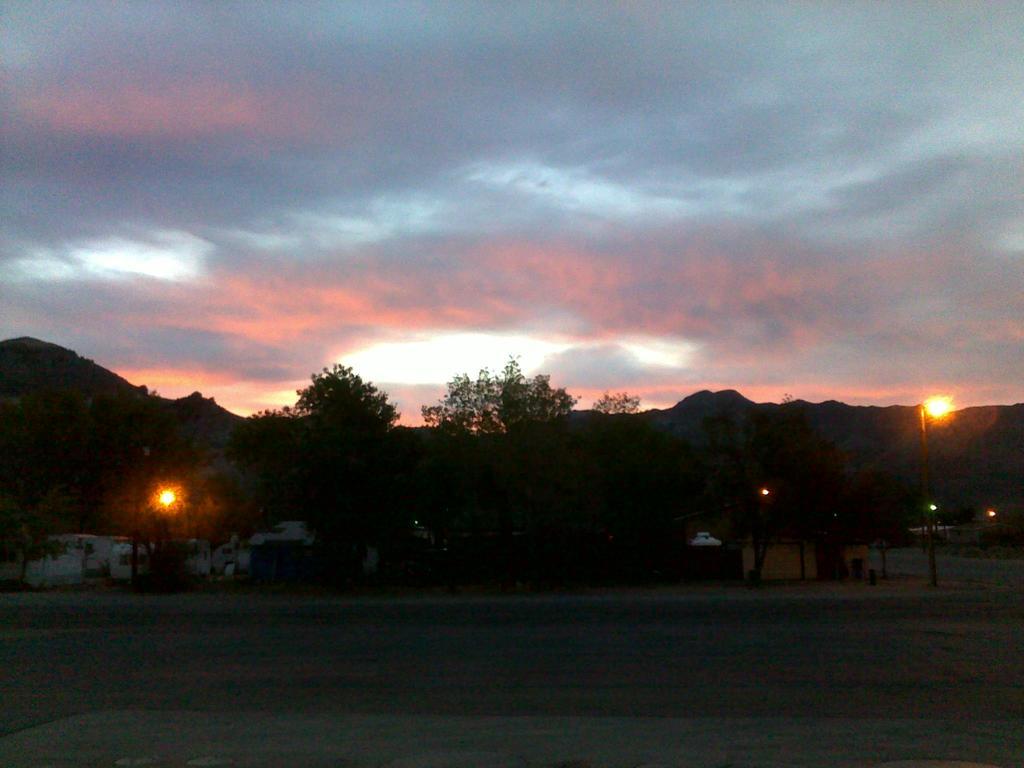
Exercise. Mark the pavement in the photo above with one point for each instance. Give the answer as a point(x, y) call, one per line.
point(911, 561)
point(719, 677)
point(172, 739)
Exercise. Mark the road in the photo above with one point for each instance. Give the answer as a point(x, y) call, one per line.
point(851, 653)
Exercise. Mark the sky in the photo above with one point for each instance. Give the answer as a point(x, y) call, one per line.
point(811, 199)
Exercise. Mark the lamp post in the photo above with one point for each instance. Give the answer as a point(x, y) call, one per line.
point(936, 408)
point(168, 499)
point(135, 527)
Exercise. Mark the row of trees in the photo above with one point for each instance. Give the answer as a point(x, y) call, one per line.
point(502, 462)
point(500, 467)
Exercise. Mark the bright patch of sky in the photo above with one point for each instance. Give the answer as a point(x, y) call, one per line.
point(436, 359)
point(661, 353)
point(166, 255)
point(573, 189)
point(345, 226)
point(383, 219)
point(1012, 239)
point(799, 188)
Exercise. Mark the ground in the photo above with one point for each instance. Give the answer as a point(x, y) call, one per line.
point(812, 675)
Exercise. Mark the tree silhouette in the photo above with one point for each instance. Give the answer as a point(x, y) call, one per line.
point(774, 475)
point(333, 460)
point(617, 402)
point(497, 403)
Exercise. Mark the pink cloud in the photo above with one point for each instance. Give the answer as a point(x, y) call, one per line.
point(766, 327)
point(171, 110)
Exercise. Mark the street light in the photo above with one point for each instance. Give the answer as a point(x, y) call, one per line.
point(935, 408)
point(167, 498)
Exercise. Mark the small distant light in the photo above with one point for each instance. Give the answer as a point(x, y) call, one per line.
point(765, 491)
point(167, 498)
point(932, 507)
point(991, 513)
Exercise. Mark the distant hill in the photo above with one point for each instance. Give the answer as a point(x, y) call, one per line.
point(977, 454)
point(30, 365)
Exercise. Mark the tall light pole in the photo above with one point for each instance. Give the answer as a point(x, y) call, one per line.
point(170, 501)
point(135, 525)
point(935, 408)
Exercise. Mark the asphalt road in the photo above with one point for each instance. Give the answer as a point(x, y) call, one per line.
point(853, 651)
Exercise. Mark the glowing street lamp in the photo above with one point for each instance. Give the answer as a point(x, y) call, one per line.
point(934, 408)
point(937, 407)
point(765, 492)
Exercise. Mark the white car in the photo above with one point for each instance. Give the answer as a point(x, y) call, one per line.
point(705, 539)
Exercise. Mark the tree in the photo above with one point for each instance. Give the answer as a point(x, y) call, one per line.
point(332, 459)
point(101, 455)
point(507, 433)
point(498, 403)
point(45, 441)
point(268, 447)
point(24, 532)
point(639, 480)
point(878, 506)
point(772, 475)
point(617, 402)
point(339, 397)
point(136, 445)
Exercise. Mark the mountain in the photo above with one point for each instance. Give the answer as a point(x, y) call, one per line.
point(686, 418)
point(976, 454)
point(30, 365)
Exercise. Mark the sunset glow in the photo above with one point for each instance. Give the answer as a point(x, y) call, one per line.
point(437, 359)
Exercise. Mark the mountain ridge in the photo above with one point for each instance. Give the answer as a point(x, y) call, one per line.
point(977, 454)
point(28, 365)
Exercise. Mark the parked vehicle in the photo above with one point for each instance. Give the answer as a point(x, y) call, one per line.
point(121, 560)
point(198, 561)
point(230, 558)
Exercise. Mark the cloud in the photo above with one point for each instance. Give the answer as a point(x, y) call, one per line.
point(822, 200)
point(162, 255)
point(574, 190)
point(168, 111)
